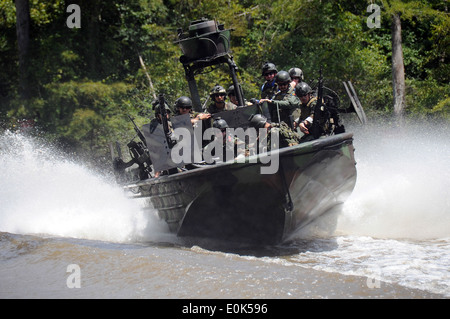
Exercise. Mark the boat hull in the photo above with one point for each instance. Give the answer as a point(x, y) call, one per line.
point(236, 202)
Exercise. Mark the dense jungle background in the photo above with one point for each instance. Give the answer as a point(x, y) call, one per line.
point(76, 85)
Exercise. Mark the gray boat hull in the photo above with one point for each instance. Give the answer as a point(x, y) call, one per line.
point(235, 202)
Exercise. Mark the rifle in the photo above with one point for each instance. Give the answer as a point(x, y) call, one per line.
point(164, 120)
point(318, 110)
point(138, 131)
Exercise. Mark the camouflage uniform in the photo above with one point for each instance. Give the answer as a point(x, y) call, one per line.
point(228, 107)
point(231, 144)
point(307, 109)
point(302, 89)
point(192, 114)
point(284, 102)
point(330, 122)
point(286, 136)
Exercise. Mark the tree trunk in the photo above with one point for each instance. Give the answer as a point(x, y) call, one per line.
point(23, 44)
point(398, 67)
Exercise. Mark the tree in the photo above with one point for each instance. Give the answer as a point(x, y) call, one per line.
point(403, 10)
point(71, 78)
point(398, 66)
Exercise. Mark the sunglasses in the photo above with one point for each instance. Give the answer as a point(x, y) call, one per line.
point(283, 83)
point(185, 107)
point(220, 94)
point(270, 73)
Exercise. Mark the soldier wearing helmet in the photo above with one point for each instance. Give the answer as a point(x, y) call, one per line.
point(296, 76)
point(157, 110)
point(219, 148)
point(232, 95)
point(286, 136)
point(284, 103)
point(269, 87)
point(183, 105)
point(218, 95)
point(308, 103)
point(221, 124)
point(233, 99)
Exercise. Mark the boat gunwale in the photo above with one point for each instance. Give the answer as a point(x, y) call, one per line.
point(303, 148)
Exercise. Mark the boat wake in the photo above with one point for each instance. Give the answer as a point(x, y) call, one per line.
point(403, 184)
point(44, 192)
point(401, 192)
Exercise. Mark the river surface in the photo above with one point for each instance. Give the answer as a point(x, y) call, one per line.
point(69, 232)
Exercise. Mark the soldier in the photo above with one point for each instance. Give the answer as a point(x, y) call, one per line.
point(269, 87)
point(233, 99)
point(284, 103)
point(286, 136)
point(296, 76)
point(158, 120)
point(329, 123)
point(183, 105)
point(157, 110)
point(232, 96)
point(218, 95)
point(308, 103)
point(230, 144)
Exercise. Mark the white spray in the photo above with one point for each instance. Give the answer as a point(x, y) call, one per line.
point(403, 185)
point(42, 192)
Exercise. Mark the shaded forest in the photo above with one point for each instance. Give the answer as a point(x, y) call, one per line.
point(76, 80)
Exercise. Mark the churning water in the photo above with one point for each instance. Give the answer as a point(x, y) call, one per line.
point(43, 192)
point(392, 239)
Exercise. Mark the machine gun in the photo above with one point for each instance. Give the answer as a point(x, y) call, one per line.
point(139, 155)
point(165, 120)
point(138, 131)
point(319, 110)
point(326, 119)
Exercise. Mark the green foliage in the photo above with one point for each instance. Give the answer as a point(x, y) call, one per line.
point(429, 98)
point(443, 107)
point(86, 81)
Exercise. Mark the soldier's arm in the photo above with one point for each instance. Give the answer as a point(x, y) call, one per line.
point(292, 102)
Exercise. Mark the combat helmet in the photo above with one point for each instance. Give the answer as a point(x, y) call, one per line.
point(296, 73)
point(257, 121)
point(302, 89)
point(230, 90)
point(217, 90)
point(184, 102)
point(269, 67)
point(220, 123)
point(282, 77)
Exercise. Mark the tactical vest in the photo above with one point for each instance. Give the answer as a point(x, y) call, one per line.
point(228, 107)
point(307, 110)
point(268, 90)
point(284, 111)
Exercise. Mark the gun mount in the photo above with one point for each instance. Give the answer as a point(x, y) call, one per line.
point(206, 44)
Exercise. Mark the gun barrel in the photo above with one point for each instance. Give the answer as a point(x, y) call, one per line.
point(316, 129)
